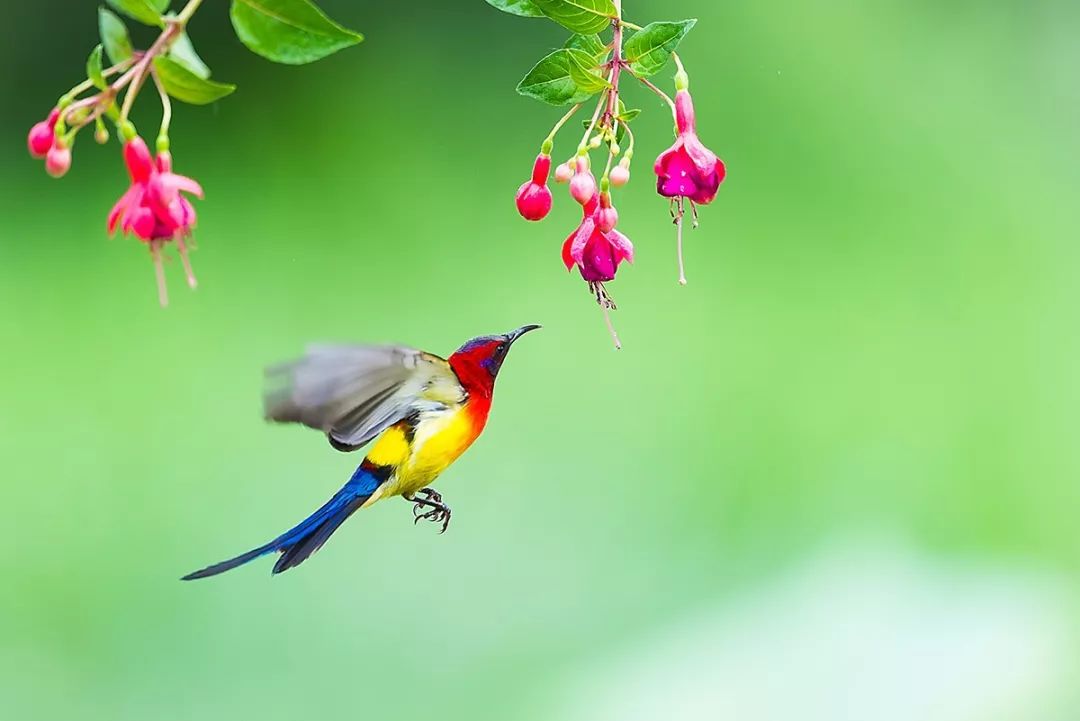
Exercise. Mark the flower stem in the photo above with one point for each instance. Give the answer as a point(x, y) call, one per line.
point(678, 62)
point(189, 10)
point(166, 105)
point(661, 93)
point(592, 124)
point(562, 122)
point(137, 75)
point(629, 148)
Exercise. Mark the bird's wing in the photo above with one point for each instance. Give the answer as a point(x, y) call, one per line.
point(355, 392)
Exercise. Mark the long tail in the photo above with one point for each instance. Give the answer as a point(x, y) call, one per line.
point(299, 542)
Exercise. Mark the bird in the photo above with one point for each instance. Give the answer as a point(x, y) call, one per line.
point(421, 410)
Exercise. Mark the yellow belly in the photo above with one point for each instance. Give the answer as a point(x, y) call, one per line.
point(437, 442)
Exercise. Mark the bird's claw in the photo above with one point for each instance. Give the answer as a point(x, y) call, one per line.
point(439, 513)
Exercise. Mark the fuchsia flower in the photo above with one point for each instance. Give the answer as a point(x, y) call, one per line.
point(688, 169)
point(153, 209)
point(41, 137)
point(533, 197)
point(596, 253)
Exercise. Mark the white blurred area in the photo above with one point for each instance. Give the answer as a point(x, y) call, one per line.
point(857, 633)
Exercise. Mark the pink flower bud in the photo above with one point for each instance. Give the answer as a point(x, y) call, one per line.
point(58, 160)
point(40, 139)
point(533, 197)
point(620, 176)
point(563, 173)
point(533, 201)
point(43, 134)
point(583, 184)
point(606, 216)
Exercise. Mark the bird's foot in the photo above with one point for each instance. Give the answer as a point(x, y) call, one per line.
point(430, 494)
point(439, 513)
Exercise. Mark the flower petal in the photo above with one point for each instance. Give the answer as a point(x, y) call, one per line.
point(624, 249)
point(128, 200)
point(581, 239)
point(703, 158)
point(184, 183)
point(567, 256)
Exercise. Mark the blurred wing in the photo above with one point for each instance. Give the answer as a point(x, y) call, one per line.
point(354, 393)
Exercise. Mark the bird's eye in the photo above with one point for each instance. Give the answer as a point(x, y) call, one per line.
point(501, 348)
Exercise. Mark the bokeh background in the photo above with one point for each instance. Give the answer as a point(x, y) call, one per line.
point(834, 477)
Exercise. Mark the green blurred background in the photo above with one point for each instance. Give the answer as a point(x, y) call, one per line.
point(834, 477)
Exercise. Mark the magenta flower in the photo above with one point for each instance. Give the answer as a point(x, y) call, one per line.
point(688, 169)
point(596, 254)
point(534, 197)
point(153, 208)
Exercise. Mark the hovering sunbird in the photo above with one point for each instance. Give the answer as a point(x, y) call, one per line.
point(428, 411)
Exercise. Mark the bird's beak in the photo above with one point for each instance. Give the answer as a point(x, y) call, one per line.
point(515, 334)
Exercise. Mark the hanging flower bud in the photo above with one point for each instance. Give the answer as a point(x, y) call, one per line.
point(606, 215)
point(564, 173)
point(534, 197)
point(58, 159)
point(40, 139)
point(620, 174)
point(583, 184)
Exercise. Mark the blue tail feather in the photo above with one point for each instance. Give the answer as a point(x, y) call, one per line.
point(299, 542)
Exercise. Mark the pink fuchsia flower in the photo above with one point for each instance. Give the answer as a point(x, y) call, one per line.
point(153, 208)
point(171, 209)
point(688, 169)
point(533, 197)
point(583, 184)
point(597, 255)
point(41, 136)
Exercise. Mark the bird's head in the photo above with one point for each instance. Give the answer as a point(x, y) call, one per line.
point(477, 363)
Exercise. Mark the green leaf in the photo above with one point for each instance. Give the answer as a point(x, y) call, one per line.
point(188, 87)
point(289, 31)
point(114, 36)
point(591, 44)
point(93, 68)
point(183, 52)
point(550, 79)
point(147, 12)
point(579, 16)
point(522, 8)
point(584, 73)
point(648, 49)
point(627, 116)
